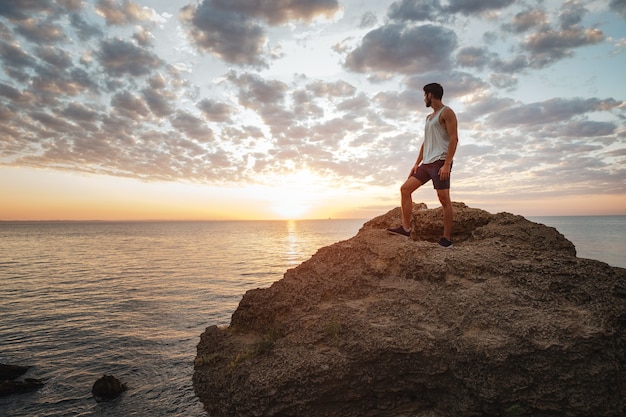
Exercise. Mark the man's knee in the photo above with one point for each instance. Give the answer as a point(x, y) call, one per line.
point(444, 197)
point(409, 186)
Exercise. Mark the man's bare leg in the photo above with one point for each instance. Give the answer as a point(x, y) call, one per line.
point(448, 212)
point(406, 201)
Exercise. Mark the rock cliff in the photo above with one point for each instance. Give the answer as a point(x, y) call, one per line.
point(509, 322)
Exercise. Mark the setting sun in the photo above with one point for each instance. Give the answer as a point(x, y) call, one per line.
point(294, 196)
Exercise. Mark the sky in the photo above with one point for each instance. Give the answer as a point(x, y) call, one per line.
point(239, 109)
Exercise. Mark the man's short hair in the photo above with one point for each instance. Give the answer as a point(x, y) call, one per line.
point(435, 89)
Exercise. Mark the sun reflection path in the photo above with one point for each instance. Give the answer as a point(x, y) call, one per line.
point(292, 246)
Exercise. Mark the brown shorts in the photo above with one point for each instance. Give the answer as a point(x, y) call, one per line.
point(427, 172)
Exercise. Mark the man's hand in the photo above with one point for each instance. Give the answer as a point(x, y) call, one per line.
point(413, 170)
point(444, 172)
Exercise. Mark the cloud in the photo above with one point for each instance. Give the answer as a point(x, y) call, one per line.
point(119, 57)
point(124, 13)
point(548, 46)
point(21, 9)
point(215, 111)
point(228, 35)
point(619, 7)
point(15, 60)
point(525, 20)
point(193, 127)
point(129, 105)
point(234, 30)
point(84, 30)
point(474, 57)
point(40, 31)
point(368, 19)
point(472, 7)
point(550, 111)
point(396, 48)
point(415, 10)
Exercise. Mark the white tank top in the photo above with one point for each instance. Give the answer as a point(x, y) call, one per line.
point(436, 140)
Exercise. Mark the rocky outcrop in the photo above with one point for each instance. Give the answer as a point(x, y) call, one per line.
point(107, 388)
point(507, 323)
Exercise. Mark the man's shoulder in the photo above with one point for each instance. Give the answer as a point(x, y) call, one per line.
point(447, 112)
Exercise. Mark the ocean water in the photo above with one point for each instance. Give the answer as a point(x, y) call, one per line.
point(80, 299)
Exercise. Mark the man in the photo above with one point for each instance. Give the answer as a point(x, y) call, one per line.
point(434, 162)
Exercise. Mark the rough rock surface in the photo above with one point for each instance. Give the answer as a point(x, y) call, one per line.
point(509, 322)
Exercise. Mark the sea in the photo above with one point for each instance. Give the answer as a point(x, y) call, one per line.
point(82, 299)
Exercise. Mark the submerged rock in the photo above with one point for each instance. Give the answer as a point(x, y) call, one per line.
point(11, 372)
point(507, 323)
point(19, 387)
point(107, 388)
point(9, 384)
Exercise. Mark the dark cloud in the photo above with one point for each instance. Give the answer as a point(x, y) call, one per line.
point(192, 126)
point(13, 94)
point(619, 7)
point(159, 99)
point(22, 9)
point(226, 34)
point(233, 30)
point(513, 65)
point(396, 48)
point(38, 31)
point(474, 57)
point(550, 111)
point(415, 10)
point(472, 7)
point(119, 57)
point(56, 57)
point(215, 111)
point(541, 48)
point(84, 30)
point(523, 21)
point(455, 83)
point(129, 105)
point(16, 60)
point(585, 129)
point(548, 45)
point(571, 14)
point(51, 122)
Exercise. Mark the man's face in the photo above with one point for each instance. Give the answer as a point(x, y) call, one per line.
point(427, 99)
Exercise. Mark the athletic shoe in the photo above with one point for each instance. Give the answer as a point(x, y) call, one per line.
point(399, 231)
point(445, 243)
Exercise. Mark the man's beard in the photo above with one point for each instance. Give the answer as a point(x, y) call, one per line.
point(429, 103)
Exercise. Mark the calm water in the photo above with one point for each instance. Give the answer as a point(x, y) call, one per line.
point(78, 300)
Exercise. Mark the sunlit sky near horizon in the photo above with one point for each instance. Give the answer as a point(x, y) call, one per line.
point(232, 109)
